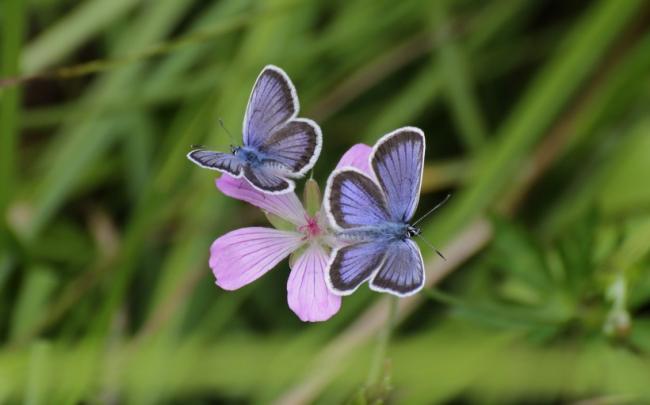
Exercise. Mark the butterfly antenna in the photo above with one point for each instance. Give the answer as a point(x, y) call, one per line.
point(432, 247)
point(440, 204)
point(232, 138)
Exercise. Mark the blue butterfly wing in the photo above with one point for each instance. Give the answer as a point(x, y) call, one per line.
point(402, 271)
point(268, 179)
point(272, 103)
point(296, 145)
point(351, 265)
point(223, 162)
point(354, 200)
point(397, 161)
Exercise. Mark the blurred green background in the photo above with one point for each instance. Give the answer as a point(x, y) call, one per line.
point(536, 115)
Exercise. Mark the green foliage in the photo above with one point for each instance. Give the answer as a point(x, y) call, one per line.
point(536, 117)
point(312, 197)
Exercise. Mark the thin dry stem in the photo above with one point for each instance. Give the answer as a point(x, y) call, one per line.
point(326, 365)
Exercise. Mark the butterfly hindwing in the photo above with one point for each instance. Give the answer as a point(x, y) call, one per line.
point(223, 162)
point(398, 161)
point(296, 145)
point(402, 272)
point(268, 179)
point(351, 265)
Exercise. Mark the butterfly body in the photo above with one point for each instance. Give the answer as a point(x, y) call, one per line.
point(248, 156)
point(277, 146)
point(388, 232)
point(371, 215)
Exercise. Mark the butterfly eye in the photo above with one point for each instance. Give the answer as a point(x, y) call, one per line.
point(233, 149)
point(413, 231)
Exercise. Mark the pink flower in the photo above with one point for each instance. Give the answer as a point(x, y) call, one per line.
point(242, 256)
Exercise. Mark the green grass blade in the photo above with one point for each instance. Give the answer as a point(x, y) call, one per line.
point(550, 91)
point(11, 42)
point(457, 83)
point(85, 21)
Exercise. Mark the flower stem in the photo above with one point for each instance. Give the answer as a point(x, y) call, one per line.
point(376, 374)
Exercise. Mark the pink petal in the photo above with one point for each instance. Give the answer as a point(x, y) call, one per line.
point(308, 294)
point(242, 256)
point(286, 206)
point(357, 156)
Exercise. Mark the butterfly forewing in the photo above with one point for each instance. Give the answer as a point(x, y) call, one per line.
point(402, 272)
point(354, 200)
point(208, 159)
point(397, 162)
point(273, 102)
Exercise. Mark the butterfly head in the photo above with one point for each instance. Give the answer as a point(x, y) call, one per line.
point(234, 149)
point(412, 231)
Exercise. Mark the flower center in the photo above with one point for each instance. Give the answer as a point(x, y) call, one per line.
point(311, 229)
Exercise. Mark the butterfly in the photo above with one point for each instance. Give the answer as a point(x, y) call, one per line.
point(277, 146)
point(370, 216)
